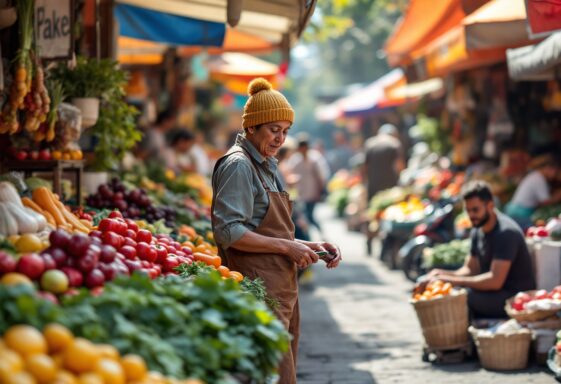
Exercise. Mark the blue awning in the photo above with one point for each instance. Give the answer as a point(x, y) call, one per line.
point(148, 24)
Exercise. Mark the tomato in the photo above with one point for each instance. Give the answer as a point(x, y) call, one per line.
point(112, 239)
point(558, 347)
point(170, 263)
point(115, 214)
point(144, 235)
point(131, 242)
point(541, 294)
point(128, 251)
point(146, 252)
point(518, 305)
point(161, 252)
point(131, 224)
point(130, 234)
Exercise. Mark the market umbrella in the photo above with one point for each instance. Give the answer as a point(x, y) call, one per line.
point(536, 62)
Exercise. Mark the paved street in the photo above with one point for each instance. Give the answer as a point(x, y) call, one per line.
point(358, 327)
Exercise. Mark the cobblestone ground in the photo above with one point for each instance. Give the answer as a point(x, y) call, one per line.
point(358, 327)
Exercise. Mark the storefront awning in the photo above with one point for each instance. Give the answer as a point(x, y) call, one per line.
point(481, 38)
point(423, 22)
point(416, 90)
point(236, 70)
point(544, 17)
point(363, 101)
point(273, 20)
point(153, 25)
point(536, 62)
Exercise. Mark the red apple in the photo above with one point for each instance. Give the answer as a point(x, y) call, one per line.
point(7, 263)
point(49, 261)
point(59, 238)
point(128, 251)
point(107, 254)
point(95, 278)
point(78, 245)
point(133, 265)
point(21, 155)
point(109, 270)
point(95, 233)
point(59, 256)
point(116, 214)
point(34, 155)
point(48, 296)
point(31, 265)
point(75, 277)
point(44, 155)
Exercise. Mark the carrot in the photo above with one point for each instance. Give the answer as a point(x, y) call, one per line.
point(71, 219)
point(44, 198)
point(208, 259)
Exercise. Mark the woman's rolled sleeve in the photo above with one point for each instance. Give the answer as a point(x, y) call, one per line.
point(233, 201)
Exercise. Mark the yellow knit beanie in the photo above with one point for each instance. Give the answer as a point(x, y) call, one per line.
point(265, 105)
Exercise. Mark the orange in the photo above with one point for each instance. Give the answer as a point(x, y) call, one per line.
point(10, 363)
point(58, 358)
point(58, 337)
point(108, 351)
point(134, 367)
point(81, 356)
point(236, 276)
point(42, 367)
point(111, 371)
point(14, 278)
point(20, 378)
point(25, 340)
point(64, 377)
point(56, 155)
point(224, 271)
point(90, 378)
point(66, 156)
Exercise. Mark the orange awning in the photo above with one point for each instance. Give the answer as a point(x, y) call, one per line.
point(234, 41)
point(481, 39)
point(423, 21)
point(139, 52)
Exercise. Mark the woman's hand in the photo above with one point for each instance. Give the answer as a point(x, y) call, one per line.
point(301, 254)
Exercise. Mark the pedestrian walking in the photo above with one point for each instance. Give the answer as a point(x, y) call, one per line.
point(251, 213)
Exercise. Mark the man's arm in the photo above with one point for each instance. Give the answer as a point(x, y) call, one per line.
point(470, 267)
point(488, 281)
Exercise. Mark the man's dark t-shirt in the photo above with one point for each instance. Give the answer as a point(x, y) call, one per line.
point(505, 242)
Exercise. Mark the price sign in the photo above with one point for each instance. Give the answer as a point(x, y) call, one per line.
point(53, 28)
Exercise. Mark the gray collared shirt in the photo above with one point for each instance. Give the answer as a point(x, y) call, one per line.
point(240, 201)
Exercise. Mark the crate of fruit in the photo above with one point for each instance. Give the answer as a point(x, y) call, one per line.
point(533, 306)
point(443, 314)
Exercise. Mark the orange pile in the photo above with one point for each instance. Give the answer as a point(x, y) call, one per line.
point(207, 253)
point(56, 356)
point(433, 290)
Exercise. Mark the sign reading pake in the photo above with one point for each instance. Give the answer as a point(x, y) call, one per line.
point(53, 28)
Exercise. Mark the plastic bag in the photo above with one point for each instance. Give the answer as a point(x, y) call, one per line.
point(68, 128)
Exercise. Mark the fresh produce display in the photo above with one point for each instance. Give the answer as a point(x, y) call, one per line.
point(385, 199)
point(552, 230)
point(410, 210)
point(204, 327)
point(55, 355)
point(449, 254)
point(537, 300)
point(15, 217)
point(542, 214)
point(432, 290)
point(134, 204)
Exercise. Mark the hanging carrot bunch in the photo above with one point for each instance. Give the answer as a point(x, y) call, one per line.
point(37, 103)
point(21, 84)
point(46, 130)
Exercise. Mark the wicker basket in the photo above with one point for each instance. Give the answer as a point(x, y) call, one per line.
point(527, 315)
point(444, 321)
point(503, 352)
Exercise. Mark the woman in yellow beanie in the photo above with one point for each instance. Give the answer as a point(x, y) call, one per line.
point(251, 214)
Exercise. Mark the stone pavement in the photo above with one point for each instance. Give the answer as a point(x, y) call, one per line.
point(358, 327)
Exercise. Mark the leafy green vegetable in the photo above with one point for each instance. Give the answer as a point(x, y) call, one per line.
point(449, 254)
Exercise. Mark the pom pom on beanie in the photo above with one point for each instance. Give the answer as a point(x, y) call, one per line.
point(265, 105)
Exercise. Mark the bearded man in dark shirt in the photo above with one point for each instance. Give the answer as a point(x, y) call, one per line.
point(499, 264)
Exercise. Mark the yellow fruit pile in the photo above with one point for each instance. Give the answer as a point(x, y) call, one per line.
point(56, 356)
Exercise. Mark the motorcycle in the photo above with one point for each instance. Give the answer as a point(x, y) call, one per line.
point(437, 228)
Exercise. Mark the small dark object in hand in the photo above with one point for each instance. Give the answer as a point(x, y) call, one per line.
point(325, 256)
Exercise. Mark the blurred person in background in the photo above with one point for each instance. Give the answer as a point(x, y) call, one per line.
point(177, 156)
point(200, 155)
point(338, 157)
point(156, 142)
point(534, 190)
point(383, 160)
point(312, 173)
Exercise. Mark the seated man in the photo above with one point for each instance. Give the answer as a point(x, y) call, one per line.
point(499, 265)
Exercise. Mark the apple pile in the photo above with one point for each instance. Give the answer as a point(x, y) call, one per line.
point(31, 154)
point(539, 232)
point(137, 249)
point(134, 204)
point(522, 299)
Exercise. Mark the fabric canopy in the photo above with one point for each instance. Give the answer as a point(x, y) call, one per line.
point(364, 101)
point(416, 90)
point(423, 22)
point(272, 19)
point(536, 62)
point(236, 70)
point(481, 38)
point(147, 24)
point(544, 17)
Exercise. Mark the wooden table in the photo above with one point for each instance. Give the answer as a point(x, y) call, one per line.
point(57, 167)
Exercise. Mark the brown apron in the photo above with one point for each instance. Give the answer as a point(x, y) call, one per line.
point(277, 271)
